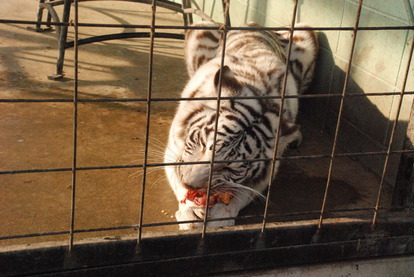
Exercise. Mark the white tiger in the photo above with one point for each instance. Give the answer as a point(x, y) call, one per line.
point(254, 65)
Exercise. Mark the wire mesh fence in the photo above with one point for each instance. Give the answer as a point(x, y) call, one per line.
point(332, 157)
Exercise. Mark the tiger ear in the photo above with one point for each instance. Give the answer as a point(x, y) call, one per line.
point(229, 84)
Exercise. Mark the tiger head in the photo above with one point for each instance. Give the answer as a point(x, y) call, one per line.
point(243, 144)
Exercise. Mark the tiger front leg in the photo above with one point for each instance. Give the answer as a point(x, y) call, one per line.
point(188, 212)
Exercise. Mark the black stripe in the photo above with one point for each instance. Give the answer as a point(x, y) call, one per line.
point(252, 112)
point(196, 120)
point(198, 60)
point(251, 132)
point(208, 130)
point(208, 35)
point(256, 168)
point(296, 78)
point(264, 138)
point(203, 142)
point(236, 119)
point(263, 134)
point(228, 130)
point(209, 48)
point(247, 148)
point(266, 123)
point(186, 120)
point(212, 119)
point(298, 65)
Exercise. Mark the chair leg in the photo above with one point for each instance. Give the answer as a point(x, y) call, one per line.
point(188, 18)
point(38, 27)
point(62, 44)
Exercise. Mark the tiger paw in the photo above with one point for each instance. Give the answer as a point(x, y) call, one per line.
point(220, 215)
point(190, 214)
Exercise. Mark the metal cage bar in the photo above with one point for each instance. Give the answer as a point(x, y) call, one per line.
point(75, 125)
point(302, 157)
point(212, 162)
point(174, 27)
point(282, 101)
point(148, 116)
point(338, 123)
point(393, 132)
point(171, 99)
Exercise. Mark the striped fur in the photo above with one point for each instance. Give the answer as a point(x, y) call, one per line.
point(255, 64)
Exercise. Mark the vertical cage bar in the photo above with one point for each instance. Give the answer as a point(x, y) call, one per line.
point(210, 178)
point(282, 100)
point(75, 123)
point(148, 116)
point(393, 131)
point(338, 122)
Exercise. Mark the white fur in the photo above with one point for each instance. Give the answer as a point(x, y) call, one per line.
point(202, 84)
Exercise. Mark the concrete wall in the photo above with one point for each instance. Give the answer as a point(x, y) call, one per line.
point(390, 267)
point(379, 63)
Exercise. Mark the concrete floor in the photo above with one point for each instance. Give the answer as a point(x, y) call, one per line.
point(40, 135)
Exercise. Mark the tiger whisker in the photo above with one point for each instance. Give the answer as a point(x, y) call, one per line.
point(156, 143)
point(131, 162)
point(154, 156)
point(157, 152)
point(225, 188)
point(245, 193)
point(246, 188)
point(148, 171)
point(154, 139)
point(158, 180)
point(150, 152)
